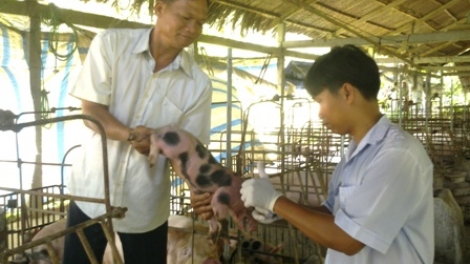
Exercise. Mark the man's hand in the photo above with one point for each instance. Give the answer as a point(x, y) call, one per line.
point(259, 192)
point(201, 204)
point(139, 138)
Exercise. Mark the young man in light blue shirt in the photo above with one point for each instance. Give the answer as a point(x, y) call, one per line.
point(380, 199)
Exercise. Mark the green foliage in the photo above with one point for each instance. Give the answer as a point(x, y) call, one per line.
point(453, 92)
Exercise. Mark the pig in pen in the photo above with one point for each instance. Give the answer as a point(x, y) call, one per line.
point(187, 243)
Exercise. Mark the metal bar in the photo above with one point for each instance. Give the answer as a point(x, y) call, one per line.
point(87, 247)
point(116, 212)
point(52, 253)
point(112, 243)
point(19, 126)
point(78, 198)
point(228, 154)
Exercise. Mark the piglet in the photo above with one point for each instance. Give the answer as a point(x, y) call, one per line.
point(39, 254)
point(183, 247)
point(202, 173)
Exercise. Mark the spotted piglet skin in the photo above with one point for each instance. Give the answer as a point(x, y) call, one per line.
point(200, 170)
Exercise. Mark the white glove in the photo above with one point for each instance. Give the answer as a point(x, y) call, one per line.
point(259, 192)
point(265, 216)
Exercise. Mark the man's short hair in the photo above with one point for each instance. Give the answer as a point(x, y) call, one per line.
point(346, 64)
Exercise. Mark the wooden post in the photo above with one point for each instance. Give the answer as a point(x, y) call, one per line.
point(35, 66)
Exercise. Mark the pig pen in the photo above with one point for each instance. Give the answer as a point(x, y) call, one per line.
point(25, 211)
point(301, 154)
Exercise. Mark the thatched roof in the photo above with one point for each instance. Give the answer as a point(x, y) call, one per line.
point(420, 31)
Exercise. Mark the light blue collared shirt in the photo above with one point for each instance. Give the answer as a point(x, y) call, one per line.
point(381, 194)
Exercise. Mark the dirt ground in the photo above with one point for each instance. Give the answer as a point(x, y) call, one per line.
point(466, 257)
point(467, 244)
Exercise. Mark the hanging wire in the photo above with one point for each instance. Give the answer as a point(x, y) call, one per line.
point(45, 111)
point(205, 60)
point(264, 68)
point(52, 18)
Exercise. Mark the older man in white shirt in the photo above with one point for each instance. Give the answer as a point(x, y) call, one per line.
point(133, 81)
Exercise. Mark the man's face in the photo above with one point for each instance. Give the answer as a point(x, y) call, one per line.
point(332, 111)
point(181, 21)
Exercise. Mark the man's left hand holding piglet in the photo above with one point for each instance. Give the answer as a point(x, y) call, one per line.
point(139, 138)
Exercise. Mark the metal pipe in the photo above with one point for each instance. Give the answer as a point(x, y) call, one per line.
point(229, 110)
point(451, 105)
point(19, 126)
point(116, 212)
point(428, 103)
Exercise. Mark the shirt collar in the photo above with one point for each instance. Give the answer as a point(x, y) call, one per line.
point(378, 131)
point(182, 61)
point(376, 134)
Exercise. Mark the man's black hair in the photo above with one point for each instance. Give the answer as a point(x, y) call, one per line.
point(346, 64)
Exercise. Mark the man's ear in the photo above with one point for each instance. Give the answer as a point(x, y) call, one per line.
point(348, 92)
point(158, 8)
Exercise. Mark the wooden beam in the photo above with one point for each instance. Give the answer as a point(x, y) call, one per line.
point(384, 40)
point(447, 69)
point(270, 15)
point(339, 12)
point(372, 14)
point(434, 49)
point(98, 21)
point(460, 74)
point(428, 60)
point(424, 18)
point(247, 8)
point(330, 19)
point(292, 11)
point(409, 70)
point(84, 19)
point(416, 50)
point(253, 47)
point(238, 44)
point(288, 12)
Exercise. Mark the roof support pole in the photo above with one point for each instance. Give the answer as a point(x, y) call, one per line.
point(35, 66)
point(281, 80)
point(428, 113)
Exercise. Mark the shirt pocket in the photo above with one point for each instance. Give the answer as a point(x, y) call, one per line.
point(171, 113)
point(346, 197)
